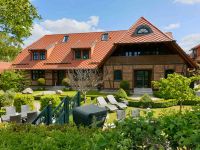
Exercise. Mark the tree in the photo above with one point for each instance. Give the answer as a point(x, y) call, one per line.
point(85, 80)
point(16, 20)
point(15, 80)
point(176, 86)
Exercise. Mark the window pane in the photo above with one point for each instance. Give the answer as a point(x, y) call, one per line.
point(35, 55)
point(117, 75)
point(85, 54)
point(104, 37)
point(36, 74)
point(42, 56)
point(77, 54)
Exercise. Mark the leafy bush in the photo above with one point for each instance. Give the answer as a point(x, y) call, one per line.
point(7, 98)
point(176, 86)
point(125, 85)
point(55, 101)
point(145, 98)
point(15, 80)
point(66, 82)
point(41, 81)
point(121, 94)
point(169, 131)
point(23, 99)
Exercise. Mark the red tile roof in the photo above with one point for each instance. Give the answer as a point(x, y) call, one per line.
point(61, 53)
point(4, 66)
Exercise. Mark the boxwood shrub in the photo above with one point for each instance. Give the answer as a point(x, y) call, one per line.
point(153, 104)
point(23, 99)
point(55, 101)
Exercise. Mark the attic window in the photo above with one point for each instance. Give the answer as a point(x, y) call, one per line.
point(65, 39)
point(143, 30)
point(104, 37)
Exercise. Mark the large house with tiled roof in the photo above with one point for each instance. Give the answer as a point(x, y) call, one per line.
point(139, 55)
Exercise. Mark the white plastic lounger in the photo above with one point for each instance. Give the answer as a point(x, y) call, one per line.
point(103, 103)
point(113, 101)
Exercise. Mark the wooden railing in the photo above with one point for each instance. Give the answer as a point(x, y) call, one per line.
point(61, 114)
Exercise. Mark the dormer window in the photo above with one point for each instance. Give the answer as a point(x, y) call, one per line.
point(39, 55)
point(65, 39)
point(35, 55)
point(104, 37)
point(82, 54)
point(143, 30)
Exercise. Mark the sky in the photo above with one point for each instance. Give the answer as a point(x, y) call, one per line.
point(182, 17)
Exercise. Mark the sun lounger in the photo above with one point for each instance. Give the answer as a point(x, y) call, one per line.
point(103, 103)
point(113, 101)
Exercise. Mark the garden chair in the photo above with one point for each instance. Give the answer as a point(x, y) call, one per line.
point(121, 115)
point(113, 101)
point(24, 110)
point(16, 118)
point(135, 113)
point(10, 110)
point(31, 116)
point(102, 103)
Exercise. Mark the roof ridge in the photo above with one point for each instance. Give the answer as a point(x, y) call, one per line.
point(156, 28)
point(84, 32)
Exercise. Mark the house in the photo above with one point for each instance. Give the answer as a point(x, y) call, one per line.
point(4, 66)
point(195, 54)
point(139, 55)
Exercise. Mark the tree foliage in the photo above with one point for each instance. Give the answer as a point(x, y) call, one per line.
point(16, 20)
point(176, 86)
point(15, 80)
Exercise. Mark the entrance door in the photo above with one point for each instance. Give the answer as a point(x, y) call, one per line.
point(58, 75)
point(142, 78)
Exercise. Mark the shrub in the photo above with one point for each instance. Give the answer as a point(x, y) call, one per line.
point(23, 99)
point(66, 82)
point(176, 86)
point(55, 101)
point(15, 80)
point(153, 104)
point(125, 85)
point(7, 98)
point(41, 81)
point(121, 94)
point(145, 98)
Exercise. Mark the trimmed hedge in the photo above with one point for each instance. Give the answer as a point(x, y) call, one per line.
point(153, 104)
point(23, 99)
point(55, 101)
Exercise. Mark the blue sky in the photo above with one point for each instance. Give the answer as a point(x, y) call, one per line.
point(182, 17)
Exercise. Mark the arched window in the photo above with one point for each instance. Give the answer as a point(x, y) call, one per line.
point(143, 30)
point(117, 75)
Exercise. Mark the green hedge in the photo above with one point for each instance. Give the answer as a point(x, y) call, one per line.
point(23, 99)
point(2, 112)
point(55, 101)
point(153, 104)
point(191, 102)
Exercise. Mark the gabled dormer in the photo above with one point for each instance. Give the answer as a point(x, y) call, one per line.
point(83, 49)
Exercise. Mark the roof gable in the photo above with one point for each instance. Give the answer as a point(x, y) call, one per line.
point(154, 36)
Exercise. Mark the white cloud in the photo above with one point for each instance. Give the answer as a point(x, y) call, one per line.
point(64, 25)
point(172, 26)
point(190, 41)
point(187, 1)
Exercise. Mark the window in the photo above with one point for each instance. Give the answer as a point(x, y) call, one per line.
point(168, 71)
point(78, 54)
point(39, 55)
point(65, 39)
point(82, 54)
point(86, 54)
point(194, 53)
point(142, 30)
point(42, 56)
point(35, 55)
point(104, 37)
point(117, 75)
point(36, 74)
